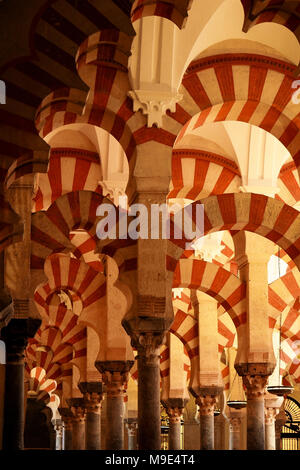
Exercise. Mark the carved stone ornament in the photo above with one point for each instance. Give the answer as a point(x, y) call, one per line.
point(206, 405)
point(175, 415)
point(255, 385)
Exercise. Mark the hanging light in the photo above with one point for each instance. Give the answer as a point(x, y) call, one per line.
point(279, 390)
point(235, 404)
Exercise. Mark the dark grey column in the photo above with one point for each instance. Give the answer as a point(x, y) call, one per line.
point(149, 427)
point(78, 421)
point(58, 427)
point(206, 411)
point(93, 396)
point(235, 432)
point(174, 408)
point(115, 376)
point(131, 425)
point(67, 417)
point(255, 386)
point(15, 335)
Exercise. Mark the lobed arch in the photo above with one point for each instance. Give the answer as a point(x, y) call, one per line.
point(50, 230)
point(241, 87)
point(215, 281)
point(173, 10)
point(243, 211)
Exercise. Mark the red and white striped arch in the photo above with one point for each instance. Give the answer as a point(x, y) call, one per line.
point(173, 10)
point(283, 292)
point(50, 230)
point(69, 274)
point(241, 87)
point(283, 12)
point(38, 383)
point(70, 169)
point(197, 174)
point(216, 281)
point(245, 211)
point(288, 182)
point(290, 322)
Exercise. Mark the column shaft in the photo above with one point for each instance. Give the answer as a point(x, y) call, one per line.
point(207, 435)
point(132, 434)
point(13, 432)
point(67, 436)
point(115, 417)
point(149, 426)
point(93, 430)
point(115, 377)
point(15, 336)
point(78, 439)
point(207, 432)
point(255, 385)
point(174, 434)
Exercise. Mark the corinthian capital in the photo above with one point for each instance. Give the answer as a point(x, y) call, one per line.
point(148, 345)
point(206, 404)
point(255, 385)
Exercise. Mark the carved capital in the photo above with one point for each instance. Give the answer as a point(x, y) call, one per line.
point(255, 385)
point(92, 396)
point(77, 409)
point(131, 428)
point(16, 334)
point(270, 415)
point(115, 382)
point(115, 376)
point(66, 417)
point(148, 345)
point(235, 424)
point(175, 415)
point(93, 402)
point(154, 104)
point(206, 405)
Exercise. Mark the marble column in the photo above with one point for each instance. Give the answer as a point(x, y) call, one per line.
point(131, 425)
point(279, 423)
point(115, 377)
point(67, 422)
point(175, 415)
point(93, 396)
point(58, 427)
point(174, 408)
point(255, 389)
point(206, 410)
point(272, 408)
point(78, 420)
point(270, 437)
point(235, 425)
point(15, 335)
point(149, 425)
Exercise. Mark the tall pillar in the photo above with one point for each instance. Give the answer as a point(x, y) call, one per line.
point(220, 431)
point(131, 425)
point(115, 377)
point(93, 396)
point(67, 422)
point(279, 422)
point(270, 436)
point(206, 410)
point(255, 386)
point(15, 335)
point(79, 414)
point(235, 422)
point(58, 427)
point(174, 408)
point(255, 359)
point(272, 408)
point(148, 346)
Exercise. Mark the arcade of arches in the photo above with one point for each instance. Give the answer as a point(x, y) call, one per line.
point(143, 344)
